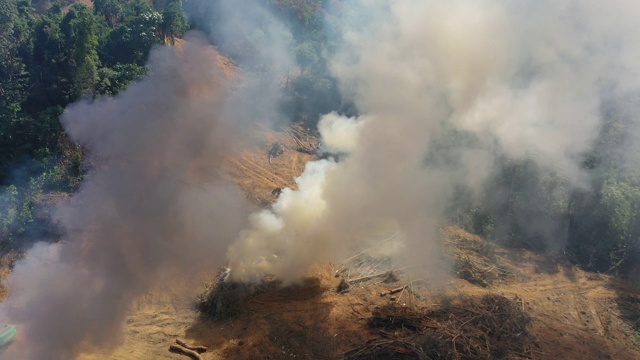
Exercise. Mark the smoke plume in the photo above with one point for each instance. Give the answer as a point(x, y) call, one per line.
point(153, 208)
point(260, 44)
point(521, 80)
point(444, 88)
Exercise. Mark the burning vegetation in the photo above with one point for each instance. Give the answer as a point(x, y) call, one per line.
point(397, 179)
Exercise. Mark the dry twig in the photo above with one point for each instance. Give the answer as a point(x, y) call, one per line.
point(369, 277)
point(184, 351)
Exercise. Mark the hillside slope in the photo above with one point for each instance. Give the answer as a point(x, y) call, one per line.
point(573, 314)
point(490, 303)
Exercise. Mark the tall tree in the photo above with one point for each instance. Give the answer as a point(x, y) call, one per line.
point(15, 48)
point(131, 42)
point(13, 76)
point(47, 72)
point(81, 42)
point(113, 10)
point(173, 23)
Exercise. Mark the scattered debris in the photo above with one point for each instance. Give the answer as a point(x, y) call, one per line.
point(386, 349)
point(184, 351)
point(304, 139)
point(386, 275)
point(343, 286)
point(393, 291)
point(486, 327)
point(401, 288)
point(222, 299)
point(393, 317)
point(364, 266)
point(475, 259)
point(199, 349)
point(256, 176)
point(490, 326)
point(275, 150)
point(629, 308)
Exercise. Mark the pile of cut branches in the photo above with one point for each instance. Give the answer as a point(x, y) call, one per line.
point(304, 139)
point(487, 327)
point(475, 259)
point(221, 301)
point(387, 349)
point(395, 317)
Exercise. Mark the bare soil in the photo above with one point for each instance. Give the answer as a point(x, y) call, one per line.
point(574, 314)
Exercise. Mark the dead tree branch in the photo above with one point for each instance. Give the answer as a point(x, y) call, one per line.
point(199, 349)
point(184, 351)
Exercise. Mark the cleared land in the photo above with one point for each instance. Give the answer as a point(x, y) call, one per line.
point(564, 312)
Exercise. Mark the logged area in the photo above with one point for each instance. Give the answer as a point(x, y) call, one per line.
point(495, 303)
point(319, 179)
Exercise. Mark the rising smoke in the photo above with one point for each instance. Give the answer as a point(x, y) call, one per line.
point(153, 209)
point(521, 79)
point(260, 44)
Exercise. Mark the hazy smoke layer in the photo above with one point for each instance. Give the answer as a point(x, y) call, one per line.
point(153, 209)
point(518, 79)
point(261, 45)
point(508, 78)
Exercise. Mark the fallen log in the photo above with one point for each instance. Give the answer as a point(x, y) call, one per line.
point(199, 348)
point(393, 291)
point(397, 290)
point(178, 349)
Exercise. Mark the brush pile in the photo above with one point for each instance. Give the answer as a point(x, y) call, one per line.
point(475, 259)
point(488, 327)
point(222, 299)
point(305, 141)
point(629, 308)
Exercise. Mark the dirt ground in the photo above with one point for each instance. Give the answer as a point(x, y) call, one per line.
point(575, 314)
point(260, 174)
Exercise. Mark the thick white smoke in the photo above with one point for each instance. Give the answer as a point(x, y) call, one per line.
point(518, 79)
point(339, 134)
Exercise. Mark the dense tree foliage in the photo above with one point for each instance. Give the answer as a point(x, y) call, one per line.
point(173, 21)
point(53, 52)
